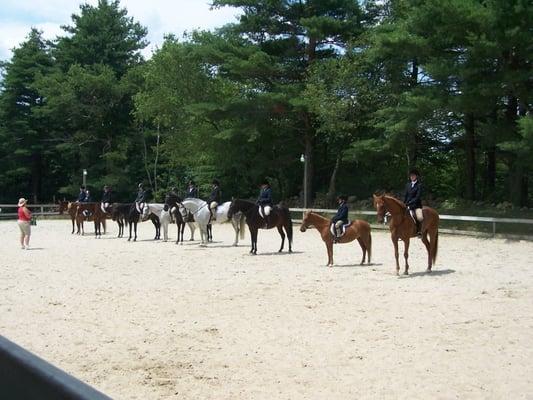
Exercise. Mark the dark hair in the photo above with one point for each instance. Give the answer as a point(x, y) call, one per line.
point(215, 182)
point(82, 187)
point(342, 197)
point(191, 182)
point(414, 171)
point(265, 182)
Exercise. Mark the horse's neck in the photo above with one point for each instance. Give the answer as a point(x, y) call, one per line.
point(395, 208)
point(196, 203)
point(245, 206)
point(317, 220)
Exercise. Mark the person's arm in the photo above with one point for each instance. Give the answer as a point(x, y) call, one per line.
point(418, 194)
point(26, 211)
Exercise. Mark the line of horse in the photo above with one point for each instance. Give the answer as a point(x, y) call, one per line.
point(195, 212)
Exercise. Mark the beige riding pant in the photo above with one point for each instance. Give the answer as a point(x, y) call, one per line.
point(213, 205)
point(418, 214)
point(25, 228)
point(338, 224)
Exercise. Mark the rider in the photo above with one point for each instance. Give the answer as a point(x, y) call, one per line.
point(264, 201)
point(413, 198)
point(82, 195)
point(214, 199)
point(141, 198)
point(106, 199)
point(192, 190)
point(341, 218)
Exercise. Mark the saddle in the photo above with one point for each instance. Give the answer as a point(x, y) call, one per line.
point(341, 230)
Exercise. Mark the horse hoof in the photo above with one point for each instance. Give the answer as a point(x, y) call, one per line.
point(406, 273)
point(428, 270)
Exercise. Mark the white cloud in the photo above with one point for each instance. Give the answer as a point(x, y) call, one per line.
point(159, 16)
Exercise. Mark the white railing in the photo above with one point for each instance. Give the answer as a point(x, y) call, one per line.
point(468, 218)
point(37, 209)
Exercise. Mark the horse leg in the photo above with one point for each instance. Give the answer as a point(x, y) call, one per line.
point(428, 248)
point(396, 255)
point(131, 227)
point(282, 234)
point(406, 255)
point(72, 220)
point(135, 230)
point(329, 247)
point(363, 247)
point(236, 229)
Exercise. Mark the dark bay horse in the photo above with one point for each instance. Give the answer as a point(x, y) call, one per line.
point(358, 230)
point(279, 218)
point(403, 227)
point(119, 213)
point(133, 217)
point(174, 204)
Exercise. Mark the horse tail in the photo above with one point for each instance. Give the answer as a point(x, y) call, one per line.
point(242, 226)
point(435, 247)
point(369, 245)
point(289, 225)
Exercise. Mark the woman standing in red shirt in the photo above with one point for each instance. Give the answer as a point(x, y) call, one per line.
point(24, 218)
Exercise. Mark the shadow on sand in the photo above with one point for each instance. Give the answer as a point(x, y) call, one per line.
point(437, 272)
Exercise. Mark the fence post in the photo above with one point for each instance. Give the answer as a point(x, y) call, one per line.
point(42, 210)
point(493, 228)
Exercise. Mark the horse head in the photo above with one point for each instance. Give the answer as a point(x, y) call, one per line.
point(305, 221)
point(381, 208)
point(145, 212)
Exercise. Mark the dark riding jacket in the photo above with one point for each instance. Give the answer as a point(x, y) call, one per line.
point(413, 195)
point(265, 197)
point(342, 214)
point(141, 196)
point(82, 196)
point(192, 192)
point(106, 196)
point(215, 195)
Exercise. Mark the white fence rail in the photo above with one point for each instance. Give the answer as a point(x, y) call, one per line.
point(37, 210)
point(467, 218)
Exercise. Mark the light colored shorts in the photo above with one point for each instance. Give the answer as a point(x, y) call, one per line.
point(25, 227)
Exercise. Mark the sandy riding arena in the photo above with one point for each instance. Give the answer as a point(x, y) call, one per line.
point(153, 320)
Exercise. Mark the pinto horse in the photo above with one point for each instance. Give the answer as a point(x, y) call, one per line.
point(358, 230)
point(402, 226)
point(133, 217)
point(279, 218)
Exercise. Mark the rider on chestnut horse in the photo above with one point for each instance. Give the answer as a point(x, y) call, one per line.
point(341, 218)
point(413, 199)
point(105, 202)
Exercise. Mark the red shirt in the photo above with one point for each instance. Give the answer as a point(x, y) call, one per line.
point(22, 215)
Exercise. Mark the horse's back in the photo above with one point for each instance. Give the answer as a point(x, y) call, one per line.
point(360, 225)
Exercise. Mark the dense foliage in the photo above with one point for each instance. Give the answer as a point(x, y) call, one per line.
point(364, 90)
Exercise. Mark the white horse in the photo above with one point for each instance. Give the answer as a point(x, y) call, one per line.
point(165, 217)
point(200, 211)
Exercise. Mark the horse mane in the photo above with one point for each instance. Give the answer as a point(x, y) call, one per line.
point(395, 200)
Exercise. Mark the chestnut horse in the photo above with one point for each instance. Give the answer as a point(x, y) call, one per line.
point(358, 230)
point(71, 209)
point(402, 226)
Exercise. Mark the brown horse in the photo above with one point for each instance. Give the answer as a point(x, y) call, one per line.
point(358, 229)
point(71, 209)
point(402, 226)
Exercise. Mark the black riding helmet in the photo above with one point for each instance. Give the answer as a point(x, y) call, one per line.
point(265, 182)
point(140, 186)
point(342, 197)
point(215, 182)
point(414, 171)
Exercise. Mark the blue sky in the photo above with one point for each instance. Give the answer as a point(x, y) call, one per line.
point(159, 16)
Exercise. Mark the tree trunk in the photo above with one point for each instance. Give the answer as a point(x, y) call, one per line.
point(470, 156)
point(308, 173)
point(490, 177)
point(36, 177)
point(156, 158)
point(332, 182)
